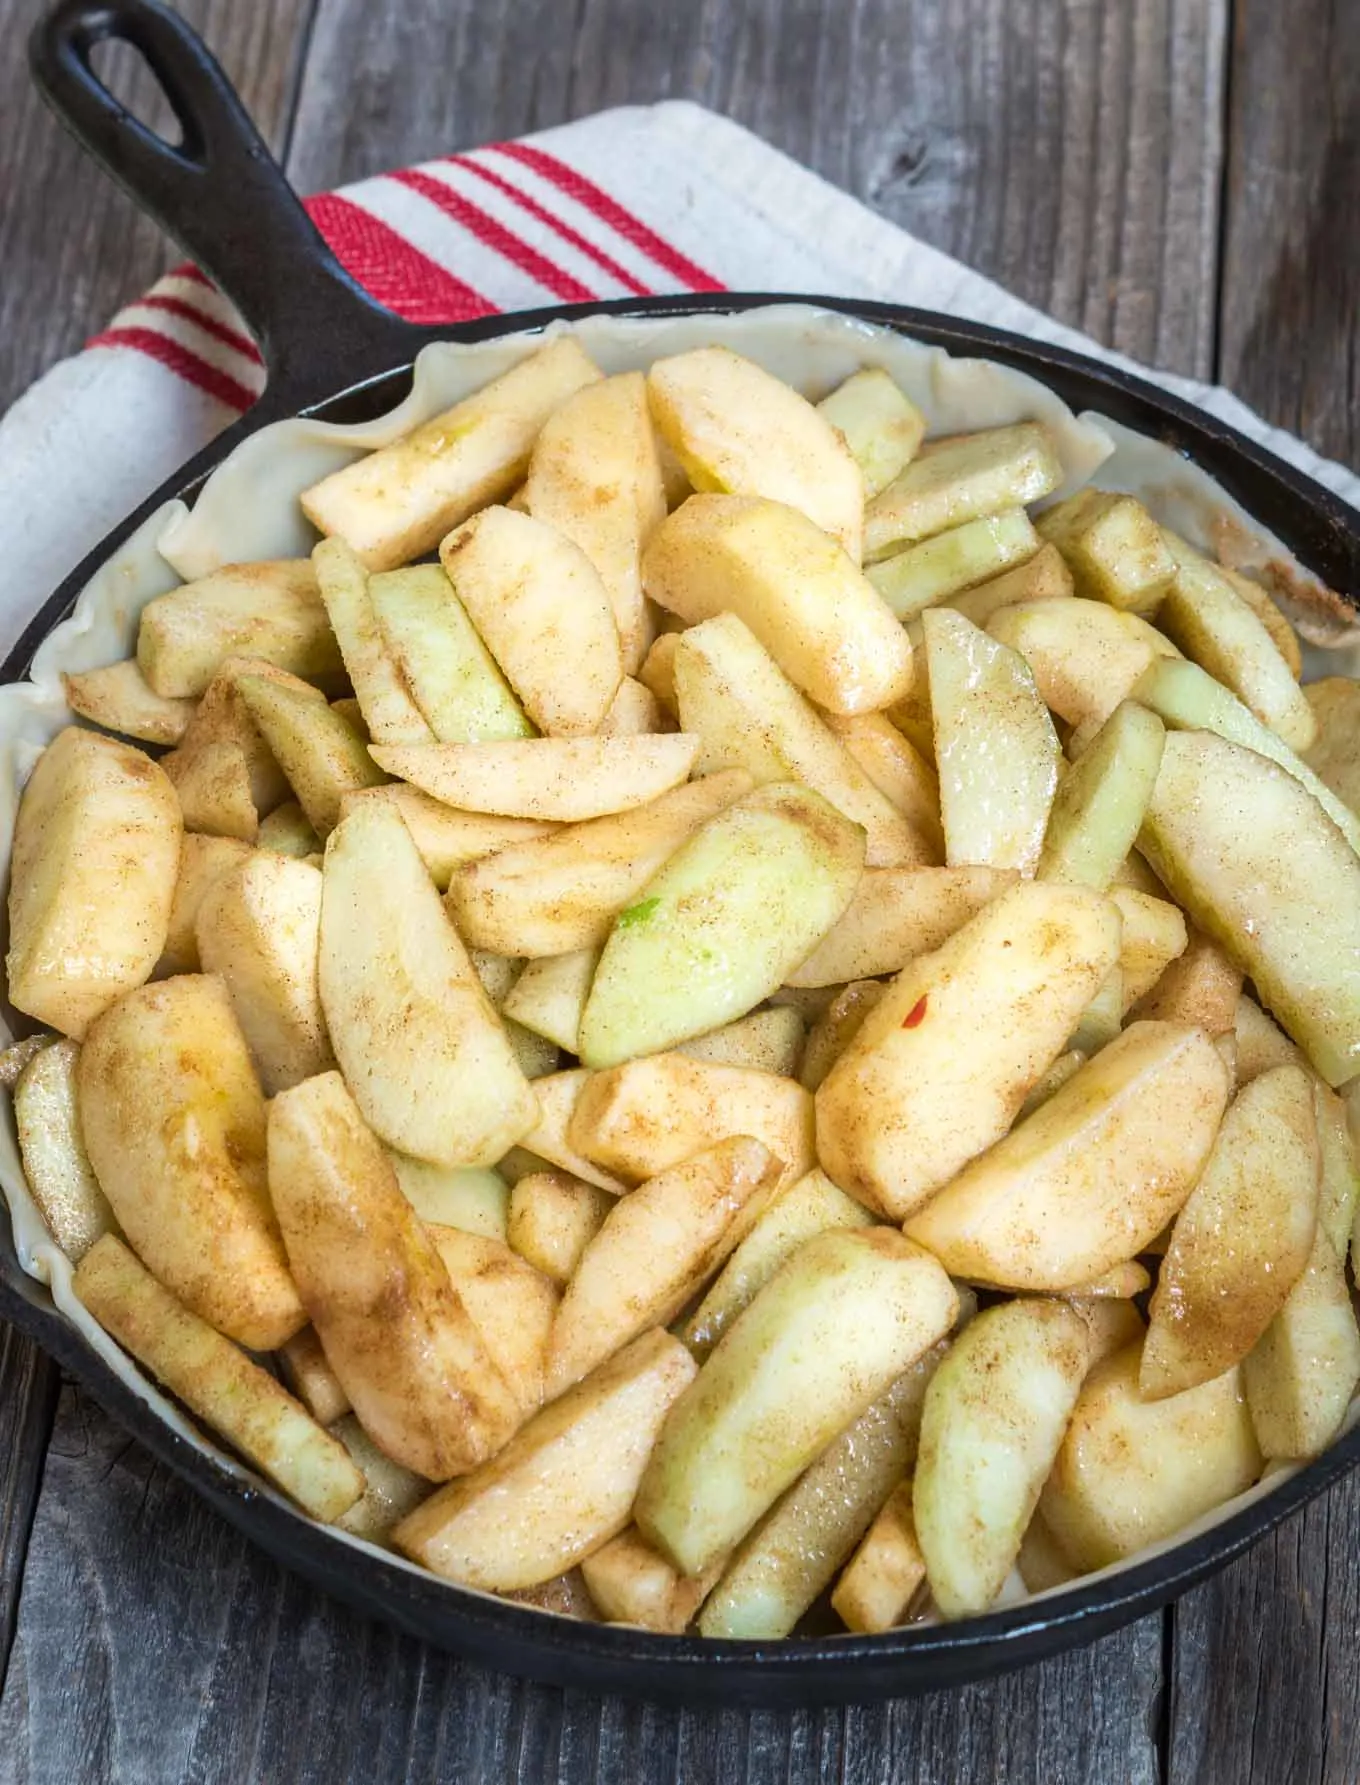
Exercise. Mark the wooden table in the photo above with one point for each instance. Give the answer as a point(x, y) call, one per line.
point(1179, 177)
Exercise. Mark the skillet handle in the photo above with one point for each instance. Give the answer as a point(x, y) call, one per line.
point(220, 194)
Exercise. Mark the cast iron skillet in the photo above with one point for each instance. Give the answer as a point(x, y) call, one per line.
point(333, 353)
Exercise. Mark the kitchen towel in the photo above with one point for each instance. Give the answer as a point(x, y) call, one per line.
point(630, 202)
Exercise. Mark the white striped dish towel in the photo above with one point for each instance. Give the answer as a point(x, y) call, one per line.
point(641, 200)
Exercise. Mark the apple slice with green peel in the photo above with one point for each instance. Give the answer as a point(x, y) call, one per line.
point(1260, 867)
point(1304, 1369)
point(1114, 547)
point(1214, 1298)
point(1099, 806)
point(792, 1555)
point(596, 477)
point(716, 931)
point(385, 699)
point(808, 603)
point(961, 479)
point(560, 893)
point(654, 1251)
point(1093, 1175)
point(434, 648)
point(319, 751)
point(738, 429)
point(943, 1063)
point(1334, 755)
point(995, 747)
point(826, 1336)
point(1189, 699)
point(995, 1413)
point(1204, 614)
point(803, 1209)
point(945, 565)
point(1132, 1472)
point(416, 1037)
point(1086, 657)
point(733, 695)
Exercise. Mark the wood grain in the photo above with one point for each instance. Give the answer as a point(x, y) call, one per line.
point(155, 1644)
point(28, 1391)
point(1071, 150)
point(1291, 264)
point(73, 248)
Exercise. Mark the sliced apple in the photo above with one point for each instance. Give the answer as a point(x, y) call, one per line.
point(320, 752)
point(560, 779)
point(942, 1065)
point(174, 1124)
point(538, 602)
point(766, 1041)
point(1334, 755)
point(960, 479)
point(447, 838)
point(897, 769)
point(1205, 615)
point(1131, 1472)
point(438, 655)
point(732, 912)
point(995, 747)
point(1259, 1185)
point(1093, 1175)
point(995, 1414)
point(561, 892)
point(882, 427)
point(801, 1210)
point(564, 1484)
point(553, 1218)
point(390, 713)
point(412, 1028)
point(936, 569)
point(836, 1028)
point(896, 915)
point(52, 1147)
point(644, 1117)
point(1044, 577)
point(886, 1573)
point(828, 1334)
point(736, 428)
point(1099, 807)
point(808, 603)
point(1304, 1368)
point(595, 476)
point(397, 503)
point(733, 695)
point(1262, 870)
point(119, 698)
point(655, 1249)
point(1086, 657)
point(1201, 986)
point(269, 610)
point(92, 878)
point(1116, 551)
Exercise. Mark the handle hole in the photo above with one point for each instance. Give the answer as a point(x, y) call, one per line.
point(124, 70)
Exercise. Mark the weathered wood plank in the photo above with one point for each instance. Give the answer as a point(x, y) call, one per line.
point(154, 1643)
point(73, 248)
point(1070, 150)
point(1291, 268)
point(28, 1392)
point(1263, 1685)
